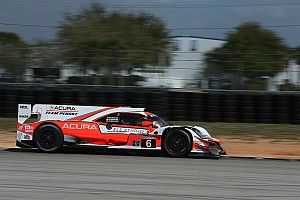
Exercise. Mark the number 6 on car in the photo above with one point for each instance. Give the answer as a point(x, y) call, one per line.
point(50, 127)
point(148, 143)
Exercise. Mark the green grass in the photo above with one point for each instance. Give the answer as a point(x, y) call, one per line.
point(8, 124)
point(248, 130)
point(233, 130)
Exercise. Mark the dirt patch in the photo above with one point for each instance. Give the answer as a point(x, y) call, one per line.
point(7, 139)
point(233, 147)
point(262, 147)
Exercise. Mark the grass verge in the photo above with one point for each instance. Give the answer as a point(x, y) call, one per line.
point(249, 130)
point(8, 124)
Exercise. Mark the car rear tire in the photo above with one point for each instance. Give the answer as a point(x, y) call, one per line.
point(48, 138)
point(177, 143)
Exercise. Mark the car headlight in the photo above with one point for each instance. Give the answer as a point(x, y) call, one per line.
point(201, 134)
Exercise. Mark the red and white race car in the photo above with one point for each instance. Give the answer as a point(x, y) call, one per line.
point(50, 127)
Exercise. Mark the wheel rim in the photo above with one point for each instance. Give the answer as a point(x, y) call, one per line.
point(47, 140)
point(177, 143)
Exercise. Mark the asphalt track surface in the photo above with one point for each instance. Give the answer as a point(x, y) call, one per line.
point(32, 175)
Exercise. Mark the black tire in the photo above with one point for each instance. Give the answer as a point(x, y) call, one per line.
point(177, 143)
point(48, 138)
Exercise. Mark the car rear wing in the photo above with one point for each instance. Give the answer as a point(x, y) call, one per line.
point(62, 112)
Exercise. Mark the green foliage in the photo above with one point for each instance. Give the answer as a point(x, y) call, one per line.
point(250, 51)
point(258, 84)
point(13, 53)
point(295, 54)
point(99, 38)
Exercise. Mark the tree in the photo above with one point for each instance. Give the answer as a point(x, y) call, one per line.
point(249, 51)
point(295, 54)
point(13, 53)
point(98, 38)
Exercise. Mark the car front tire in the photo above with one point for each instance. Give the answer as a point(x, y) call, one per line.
point(177, 143)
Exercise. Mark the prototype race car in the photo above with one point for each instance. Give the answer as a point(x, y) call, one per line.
point(50, 127)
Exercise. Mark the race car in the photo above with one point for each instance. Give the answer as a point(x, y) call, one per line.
point(51, 127)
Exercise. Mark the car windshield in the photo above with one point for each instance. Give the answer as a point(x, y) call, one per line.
point(161, 121)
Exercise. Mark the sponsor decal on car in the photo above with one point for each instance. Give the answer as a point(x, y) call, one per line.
point(80, 126)
point(127, 130)
point(112, 119)
point(136, 143)
point(28, 129)
point(23, 116)
point(19, 136)
point(26, 137)
point(23, 136)
point(109, 126)
point(62, 110)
